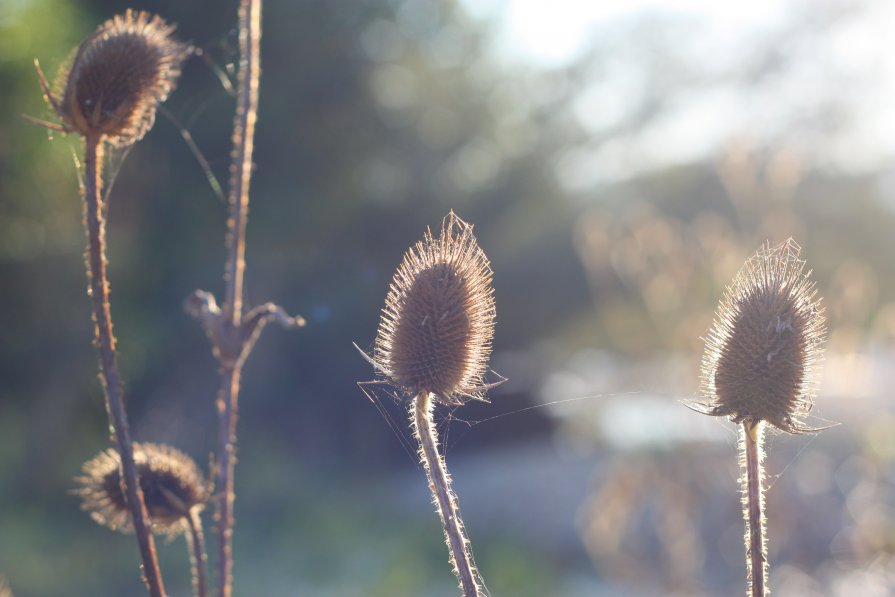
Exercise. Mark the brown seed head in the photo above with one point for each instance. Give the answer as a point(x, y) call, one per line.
point(436, 327)
point(117, 78)
point(171, 481)
point(763, 352)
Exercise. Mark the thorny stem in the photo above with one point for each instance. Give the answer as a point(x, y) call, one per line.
point(111, 380)
point(241, 172)
point(198, 555)
point(243, 146)
point(444, 497)
point(753, 507)
point(227, 409)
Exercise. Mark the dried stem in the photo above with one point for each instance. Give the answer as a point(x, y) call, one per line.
point(111, 380)
point(443, 495)
point(198, 555)
point(243, 146)
point(241, 168)
point(753, 507)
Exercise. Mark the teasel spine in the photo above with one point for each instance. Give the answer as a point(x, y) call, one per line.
point(444, 497)
point(753, 506)
point(110, 377)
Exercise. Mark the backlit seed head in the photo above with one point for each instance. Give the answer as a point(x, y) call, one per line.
point(763, 352)
point(436, 327)
point(117, 78)
point(171, 481)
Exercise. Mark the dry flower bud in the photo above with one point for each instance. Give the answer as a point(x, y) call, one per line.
point(436, 327)
point(117, 78)
point(171, 481)
point(763, 352)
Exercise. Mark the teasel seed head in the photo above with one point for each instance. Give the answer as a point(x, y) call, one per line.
point(117, 78)
point(172, 485)
point(763, 353)
point(436, 327)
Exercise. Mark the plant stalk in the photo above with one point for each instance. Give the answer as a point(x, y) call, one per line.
point(198, 555)
point(753, 507)
point(241, 168)
point(111, 380)
point(443, 495)
point(227, 409)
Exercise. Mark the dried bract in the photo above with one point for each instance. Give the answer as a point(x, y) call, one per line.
point(117, 78)
point(171, 481)
point(763, 352)
point(436, 327)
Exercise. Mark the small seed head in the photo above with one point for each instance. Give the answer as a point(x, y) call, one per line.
point(117, 78)
point(171, 481)
point(436, 327)
point(763, 352)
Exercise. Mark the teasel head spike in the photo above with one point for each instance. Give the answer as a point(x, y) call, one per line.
point(764, 350)
point(173, 488)
point(438, 321)
point(116, 79)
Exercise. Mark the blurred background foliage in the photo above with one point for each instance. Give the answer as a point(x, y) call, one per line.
point(617, 189)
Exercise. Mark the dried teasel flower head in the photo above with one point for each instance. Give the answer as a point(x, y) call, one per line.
point(117, 78)
point(436, 327)
point(763, 353)
point(171, 481)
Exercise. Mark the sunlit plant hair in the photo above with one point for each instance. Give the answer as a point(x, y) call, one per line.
point(764, 350)
point(760, 366)
point(433, 344)
point(173, 487)
point(436, 327)
point(117, 77)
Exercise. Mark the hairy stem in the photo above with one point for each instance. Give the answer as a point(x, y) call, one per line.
point(241, 168)
point(111, 380)
point(753, 507)
point(443, 495)
point(227, 409)
point(243, 146)
point(198, 555)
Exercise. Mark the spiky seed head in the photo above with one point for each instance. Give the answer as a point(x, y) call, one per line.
point(171, 481)
point(436, 327)
point(763, 353)
point(118, 76)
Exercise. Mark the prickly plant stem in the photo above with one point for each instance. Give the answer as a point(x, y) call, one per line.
point(241, 174)
point(445, 500)
point(753, 507)
point(198, 555)
point(111, 380)
point(227, 409)
point(243, 146)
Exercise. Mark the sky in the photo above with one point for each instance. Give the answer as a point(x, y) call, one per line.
point(850, 63)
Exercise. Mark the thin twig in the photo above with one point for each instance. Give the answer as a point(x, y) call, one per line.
point(753, 507)
point(111, 380)
point(198, 555)
point(243, 144)
point(443, 495)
